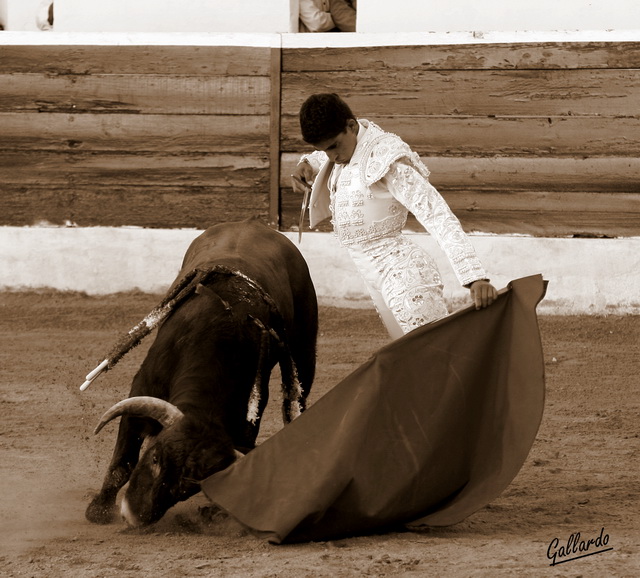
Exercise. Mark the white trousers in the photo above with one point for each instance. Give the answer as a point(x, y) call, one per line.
point(403, 281)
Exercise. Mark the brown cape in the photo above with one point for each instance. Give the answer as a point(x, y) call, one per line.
point(433, 427)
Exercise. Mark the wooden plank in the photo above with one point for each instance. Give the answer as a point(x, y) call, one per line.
point(606, 174)
point(598, 174)
point(136, 94)
point(530, 202)
point(165, 60)
point(513, 136)
point(544, 55)
point(595, 225)
point(473, 92)
point(527, 213)
point(79, 168)
point(134, 132)
point(157, 206)
point(549, 213)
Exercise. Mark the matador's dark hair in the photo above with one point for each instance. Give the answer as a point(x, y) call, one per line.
point(323, 116)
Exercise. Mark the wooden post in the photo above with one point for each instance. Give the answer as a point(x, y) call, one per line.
point(274, 136)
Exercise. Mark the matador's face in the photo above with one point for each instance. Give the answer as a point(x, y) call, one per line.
point(340, 148)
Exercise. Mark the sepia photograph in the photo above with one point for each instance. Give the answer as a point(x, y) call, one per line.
point(319, 288)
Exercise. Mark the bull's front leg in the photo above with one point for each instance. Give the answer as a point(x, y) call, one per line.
point(125, 457)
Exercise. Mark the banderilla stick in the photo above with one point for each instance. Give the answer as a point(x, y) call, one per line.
point(135, 335)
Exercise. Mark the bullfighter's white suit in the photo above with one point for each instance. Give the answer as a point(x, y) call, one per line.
point(368, 200)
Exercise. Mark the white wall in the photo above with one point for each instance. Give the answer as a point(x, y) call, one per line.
point(280, 15)
point(172, 16)
point(586, 276)
point(24, 15)
point(496, 15)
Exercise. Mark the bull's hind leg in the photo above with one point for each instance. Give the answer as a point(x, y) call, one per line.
point(101, 510)
point(297, 366)
point(259, 395)
point(298, 358)
point(294, 396)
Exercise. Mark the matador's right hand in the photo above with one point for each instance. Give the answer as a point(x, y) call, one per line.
point(304, 172)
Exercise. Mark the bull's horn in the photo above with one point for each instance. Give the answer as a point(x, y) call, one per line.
point(142, 406)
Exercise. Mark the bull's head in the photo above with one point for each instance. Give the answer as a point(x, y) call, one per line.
point(174, 462)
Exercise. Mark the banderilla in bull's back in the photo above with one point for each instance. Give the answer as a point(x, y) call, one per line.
point(138, 332)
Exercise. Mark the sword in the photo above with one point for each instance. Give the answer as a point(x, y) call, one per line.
point(305, 202)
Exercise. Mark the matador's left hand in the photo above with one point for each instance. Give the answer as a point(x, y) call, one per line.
point(482, 293)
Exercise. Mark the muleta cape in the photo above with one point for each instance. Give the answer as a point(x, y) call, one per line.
point(432, 428)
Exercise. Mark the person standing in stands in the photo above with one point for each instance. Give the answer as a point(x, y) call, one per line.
point(327, 16)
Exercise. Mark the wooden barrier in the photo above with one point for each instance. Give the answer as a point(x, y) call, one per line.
point(538, 139)
point(532, 138)
point(150, 136)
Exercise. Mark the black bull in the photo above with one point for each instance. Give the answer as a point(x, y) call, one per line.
point(199, 394)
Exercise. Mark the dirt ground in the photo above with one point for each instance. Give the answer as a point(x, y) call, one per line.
point(582, 475)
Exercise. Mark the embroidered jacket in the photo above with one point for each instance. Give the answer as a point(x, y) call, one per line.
point(369, 198)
